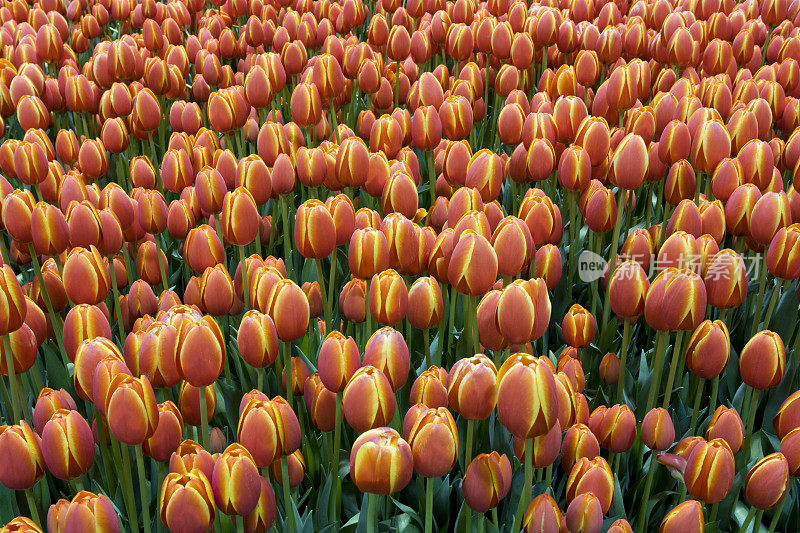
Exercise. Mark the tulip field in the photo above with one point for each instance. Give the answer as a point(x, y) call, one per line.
point(381, 266)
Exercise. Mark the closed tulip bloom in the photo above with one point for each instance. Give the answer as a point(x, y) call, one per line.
point(425, 303)
point(584, 514)
point(263, 516)
point(49, 229)
point(90, 512)
point(368, 401)
point(48, 402)
point(353, 301)
point(430, 388)
point(788, 416)
point(239, 218)
point(86, 276)
point(578, 442)
point(783, 258)
point(629, 163)
point(513, 245)
point(269, 429)
point(708, 349)
point(187, 502)
point(591, 476)
point(288, 307)
point(368, 253)
point(542, 516)
point(487, 481)
point(21, 524)
point(578, 326)
point(473, 264)
point(202, 248)
point(337, 361)
point(235, 481)
point(676, 300)
point(314, 230)
point(685, 517)
point(216, 291)
point(388, 297)
point(13, 309)
point(790, 448)
point(762, 361)
point(320, 402)
point(617, 429)
point(526, 380)
point(767, 482)
point(434, 442)
point(381, 462)
point(516, 315)
point(67, 444)
point(131, 409)
point(726, 279)
point(257, 339)
point(472, 387)
point(770, 214)
point(658, 432)
point(24, 445)
point(168, 434)
point(709, 471)
point(190, 456)
point(200, 352)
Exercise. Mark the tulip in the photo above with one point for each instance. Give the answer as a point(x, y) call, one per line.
point(687, 516)
point(434, 442)
point(338, 360)
point(86, 276)
point(187, 502)
point(88, 510)
point(269, 429)
point(788, 416)
point(578, 442)
point(67, 444)
point(48, 402)
point(263, 516)
point(767, 482)
point(235, 481)
point(542, 515)
point(21, 524)
point(388, 297)
point(487, 481)
point(368, 401)
point(21, 443)
point(167, 436)
point(584, 514)
point(709, 471)
point(131, 409)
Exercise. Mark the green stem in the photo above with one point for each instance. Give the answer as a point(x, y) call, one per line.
point(204, 434)
point(525, 495)
point(334, 122)
point(777, 516)
point(161, 269)
point(337, 438)
point(245, 282)
point(623, 360)
point(427, 342)
point(143, 488)
point(287, 236)
point(658, 364)
point(54, 320)
point(12, 379)
point(762, 282)
point(332, 282)
point(130, 500)
point(287, 365)
point(573, 238)
point(326, 303)
point(32, 506)
point(372, 508)
point(613, 259)
point(749, 428)
point(287, 496)
point(676, 355)
point(468, 444)
point(428, 505)
point(698, 395)
point(115, 291)
point(431, 176)
point(773, 301)
point(648, 486)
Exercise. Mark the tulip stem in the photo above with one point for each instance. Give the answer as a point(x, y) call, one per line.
point(332, 281)
point(204, 435)
point(762, 282)
point(116, 304)
point(773, 301)
point(431, 175)
point(428, 505)
point(287, 235)
point(468, 444)
point(287, 496)
point(32, 506)
point(143, 488)
point(337, 438)
point(658, 363)
point(12, 379)
point(334, 122)
point(54, 320)
point(161, 268)
point(713, 396)
point(326, 303)
point(698, 395)
point(676, 355)
point(750, 514)
point(245, 283)
point(426, 339)
point(130, 501)
point(525, 495)
point(752, 404)
point(777, 516)
point(452, 318)
point(372, 507)
point(288, 369)
point(648, 486)
point(623, 360)
point(612, 262)
point(573, 239)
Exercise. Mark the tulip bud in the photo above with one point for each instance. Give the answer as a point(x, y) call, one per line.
point(686, 516)
point(338, 360)
point(167, 436)
point(591, 476)
point(487, 481)
point(314, 230)
point(658, 432)
point(525, 376)
point(93, 511)
point(86, 276)
point(726, 280)
point(767, 482)
point(21, 443)
point(709, 471)
point(430, 388)
point(472, 387)
point(187, 501)
point(584, 514)
point(239, 218)
point(235, 481)
point(368, 401)
point(131, 409)
point(542, 514)
point(788, 416)
point(14, 308)
point(269, 429)
point(578, 442)
point(67, 444)
point(762, 361)
point(257, 339)
point(676, 300)
point(433, 438)
point(48, 402)
point(425, 304)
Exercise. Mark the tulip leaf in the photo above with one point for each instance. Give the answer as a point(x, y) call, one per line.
point(409, 512)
